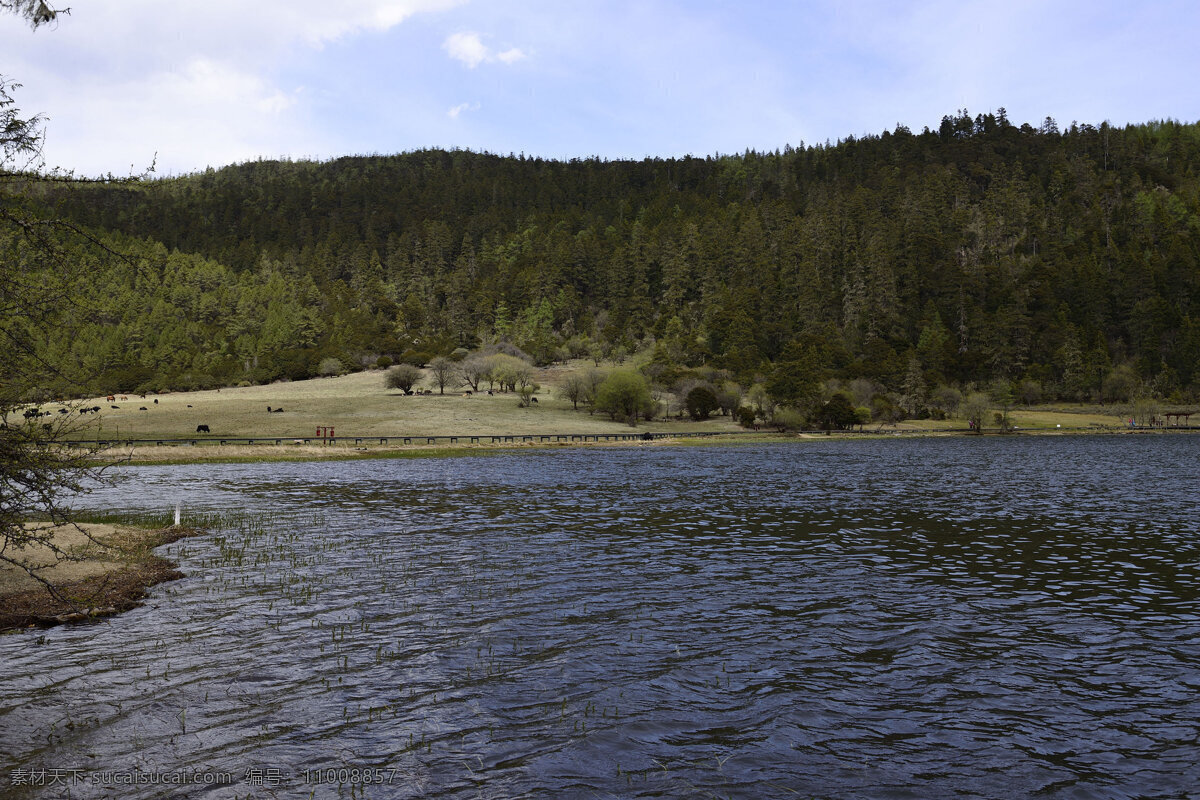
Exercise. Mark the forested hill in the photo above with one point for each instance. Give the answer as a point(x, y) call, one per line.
point(974, 253)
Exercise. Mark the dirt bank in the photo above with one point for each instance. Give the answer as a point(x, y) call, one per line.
point(107, 570)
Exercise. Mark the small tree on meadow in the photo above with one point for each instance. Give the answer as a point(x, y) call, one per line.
point(701, 402)
point(509, 371)
point(974, 410)
point(624, 394)
point(574, 388)
point(403, 377)
point(443, 372)
point(526, 392)
point(331, 366)
point(729, 398)
point(475, 369)
point(786, 418)
point(592, 379)
point(836, 413)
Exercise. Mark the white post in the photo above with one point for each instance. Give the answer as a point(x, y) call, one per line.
point(177, 510)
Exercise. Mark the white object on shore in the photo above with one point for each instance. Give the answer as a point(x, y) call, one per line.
point(177, 511)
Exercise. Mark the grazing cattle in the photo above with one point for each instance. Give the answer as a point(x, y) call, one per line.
point(189, 405)
point(143, 408)
point(115, 406)
point(156, 401)
point(268, 409)
point(489, 392)
point(279, 411)
point(202, 429)
point(95, 409)
point(533, 399)
point(30, 413)
point(467, 393)
point(110, 398)
point(124, 397)
point(142, 396)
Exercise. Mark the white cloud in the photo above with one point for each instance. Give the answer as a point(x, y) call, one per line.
point(469, 48)
point(511, 56)
point(461, 107)
point(196, 80)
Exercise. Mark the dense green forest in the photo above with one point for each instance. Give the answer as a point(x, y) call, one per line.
point(1065, 262)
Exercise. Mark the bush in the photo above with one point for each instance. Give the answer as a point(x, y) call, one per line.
point(974, 409)
point(837, 413)
point(746, 417)
point(417, 358)
point(383, 362)
point(786, 419)
point(402, 377)
point(330, 367)
point(624, 394)
point(701, 402)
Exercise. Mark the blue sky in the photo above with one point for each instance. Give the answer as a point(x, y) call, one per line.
point(211, 82)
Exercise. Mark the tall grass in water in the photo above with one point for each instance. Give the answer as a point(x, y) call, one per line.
point(222, 519)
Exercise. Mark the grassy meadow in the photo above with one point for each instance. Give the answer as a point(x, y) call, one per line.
point(359, 405)
point(356, 405)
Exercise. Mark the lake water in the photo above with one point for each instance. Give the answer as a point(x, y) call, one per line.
point(838, 619)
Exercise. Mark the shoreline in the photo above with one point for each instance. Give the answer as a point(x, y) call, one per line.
point(213, 453)
point(110, 574)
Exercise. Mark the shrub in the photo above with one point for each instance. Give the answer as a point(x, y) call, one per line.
point(330, 367)
point(624, 394)
point(746, 417)
point(701, 402)
point(786, 419)
point(402, 377)
point(974, 409)
point(383, 362)
point(444, 373)
point(837, 412)
point(417, 358)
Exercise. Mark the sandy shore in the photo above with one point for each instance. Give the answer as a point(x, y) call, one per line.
point(107, 570)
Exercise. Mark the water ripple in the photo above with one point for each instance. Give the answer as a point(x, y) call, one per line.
point(994, 618)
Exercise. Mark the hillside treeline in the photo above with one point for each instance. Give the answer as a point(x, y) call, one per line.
point(978, 253)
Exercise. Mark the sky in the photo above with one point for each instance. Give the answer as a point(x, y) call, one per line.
point(190, 84)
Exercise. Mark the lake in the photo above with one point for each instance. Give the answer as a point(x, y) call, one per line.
point(971, 617)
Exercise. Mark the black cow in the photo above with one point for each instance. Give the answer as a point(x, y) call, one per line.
point(143, 408)
point(116, 406)
point(533, 399)
point(278, 411)
point(202, 429)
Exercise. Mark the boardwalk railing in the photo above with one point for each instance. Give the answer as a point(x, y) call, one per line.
point(541, 438)
point(507, 438)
